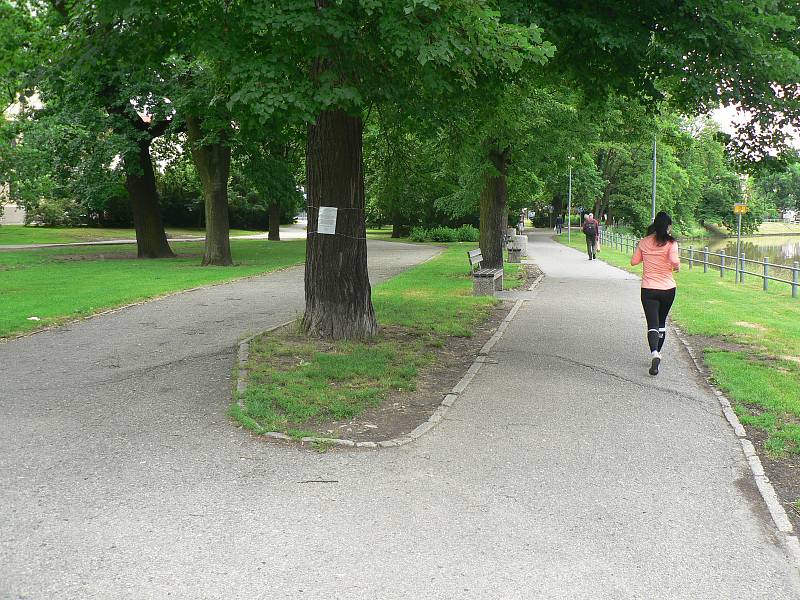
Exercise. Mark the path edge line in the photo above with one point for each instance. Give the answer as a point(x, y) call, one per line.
point(771, 499)
point(765, 487)
point(448, 401)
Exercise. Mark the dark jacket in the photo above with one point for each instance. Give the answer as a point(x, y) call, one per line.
point(591, 228)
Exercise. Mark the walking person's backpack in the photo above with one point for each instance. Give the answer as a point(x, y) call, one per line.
point(590, 228)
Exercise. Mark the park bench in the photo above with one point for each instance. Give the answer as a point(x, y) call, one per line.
point(485, 281)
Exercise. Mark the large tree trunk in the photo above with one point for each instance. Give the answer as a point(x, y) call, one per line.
point(400, 227)
point(140, 180)
point(213, 163)
point(338, 293)
point(274, 221)
point(494, 210)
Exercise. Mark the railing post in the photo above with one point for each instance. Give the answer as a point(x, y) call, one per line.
point(705, 259)
point(794, 279)
point(742, 263)
point(722, 263)
point(766, 273)
point(691, 256)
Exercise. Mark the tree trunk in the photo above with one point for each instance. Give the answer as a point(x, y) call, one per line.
point(213, 163)
point(140, 181)
point(400, 228)
point(274, 221)
point(494, 210)
point(338, 293)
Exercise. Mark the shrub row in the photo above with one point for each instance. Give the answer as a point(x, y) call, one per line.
point(465, 233)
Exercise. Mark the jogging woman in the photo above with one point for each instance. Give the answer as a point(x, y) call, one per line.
point(659, 253)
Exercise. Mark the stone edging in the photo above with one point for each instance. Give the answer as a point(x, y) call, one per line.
point(447, 402)
point(770, 497)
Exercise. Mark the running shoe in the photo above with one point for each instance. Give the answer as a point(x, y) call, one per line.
point(654, 365)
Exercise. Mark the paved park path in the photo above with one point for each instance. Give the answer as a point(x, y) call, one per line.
point(288, 232)
point(564, 471)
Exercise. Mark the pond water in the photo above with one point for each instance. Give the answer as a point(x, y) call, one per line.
point(780, 250)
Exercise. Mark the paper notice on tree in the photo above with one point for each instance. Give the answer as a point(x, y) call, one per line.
point(326, 221)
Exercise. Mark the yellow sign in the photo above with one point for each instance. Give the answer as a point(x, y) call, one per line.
point(740, 208)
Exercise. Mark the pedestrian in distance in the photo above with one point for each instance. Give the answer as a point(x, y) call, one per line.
point(597, 237)
point(559, 224)
point(590, 231)
point(659, 253)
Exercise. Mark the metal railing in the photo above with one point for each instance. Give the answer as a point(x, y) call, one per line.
point(720, 261)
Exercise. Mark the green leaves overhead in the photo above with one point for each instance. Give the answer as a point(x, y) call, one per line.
point(299, 58)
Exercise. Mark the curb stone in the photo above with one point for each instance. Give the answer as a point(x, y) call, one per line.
point(448, 400)
point(765, 488)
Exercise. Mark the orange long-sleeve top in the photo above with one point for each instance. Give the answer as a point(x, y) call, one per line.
point(659, 263)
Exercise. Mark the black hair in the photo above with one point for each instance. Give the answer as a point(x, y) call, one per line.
point(660, 226)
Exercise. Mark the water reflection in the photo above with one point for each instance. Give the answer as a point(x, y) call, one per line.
point(778, 249)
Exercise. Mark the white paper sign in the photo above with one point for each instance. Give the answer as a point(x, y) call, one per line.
point(326, 221)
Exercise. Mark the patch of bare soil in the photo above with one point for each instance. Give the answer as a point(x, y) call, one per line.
point(402, 412)
point(751, 325)
point(532, 272)
point(783, 472)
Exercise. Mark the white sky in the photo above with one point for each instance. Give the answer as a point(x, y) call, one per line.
point(727, 116)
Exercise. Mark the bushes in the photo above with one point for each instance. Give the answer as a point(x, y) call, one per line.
point(468, 233)
point(465, 233)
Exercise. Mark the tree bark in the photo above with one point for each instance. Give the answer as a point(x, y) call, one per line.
point(213, 163)
point(274, 221)
point(494, 210)
point(400, 227)
point(337, 288)
point(140, 181)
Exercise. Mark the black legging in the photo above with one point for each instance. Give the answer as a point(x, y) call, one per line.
point(656, 304)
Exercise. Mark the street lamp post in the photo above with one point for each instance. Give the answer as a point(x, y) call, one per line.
point(569, 207)
point(653, 207)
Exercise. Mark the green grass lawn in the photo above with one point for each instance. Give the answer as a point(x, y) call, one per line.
point(19, 234)
point(779, 228)
point(59, 284)
point(295, 380)
point(762, 380)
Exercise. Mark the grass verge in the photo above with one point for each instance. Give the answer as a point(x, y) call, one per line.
point(298, 383)
point(751, 344)
point(21, 234)
point(59, 284)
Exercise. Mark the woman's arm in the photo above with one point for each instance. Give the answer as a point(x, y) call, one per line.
point(637, 255)
point(675, 256)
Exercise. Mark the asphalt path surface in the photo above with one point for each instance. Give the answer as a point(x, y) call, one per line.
point(288, 232)
point(564, 471)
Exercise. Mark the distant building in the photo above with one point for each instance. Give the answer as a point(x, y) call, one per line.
point(11, 214)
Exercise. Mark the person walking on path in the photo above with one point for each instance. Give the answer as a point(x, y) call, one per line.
point(659, 253)
point(596, 237)
point(590, 231)
point(559, 224)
